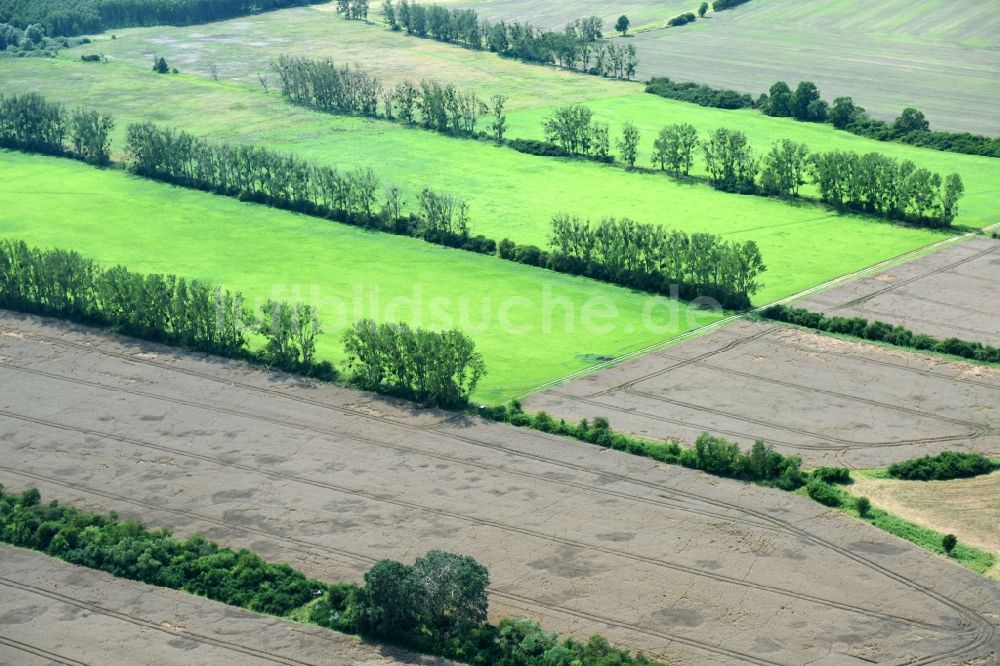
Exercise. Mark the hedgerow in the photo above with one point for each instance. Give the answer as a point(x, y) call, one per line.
point(882, 332)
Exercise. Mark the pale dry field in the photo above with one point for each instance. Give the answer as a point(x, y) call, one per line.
point(52, 612)
point(951, 293)
point(830, 401)
point(967, 508)
point(686, 567)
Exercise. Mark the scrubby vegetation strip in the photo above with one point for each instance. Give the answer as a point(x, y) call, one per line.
point(879, 331)
point(806, 104)
point(437, 605)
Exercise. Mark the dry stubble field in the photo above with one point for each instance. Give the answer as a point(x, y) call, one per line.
point(951, 293)
point(687, 567)
point(831, 401)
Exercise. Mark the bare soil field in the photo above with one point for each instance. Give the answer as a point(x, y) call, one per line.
point(687, 567)
point(56, 613)
point(951, 293)
point(831, 401)
point(967, 508)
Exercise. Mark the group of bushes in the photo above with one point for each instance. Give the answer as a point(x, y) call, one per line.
point(437, 605)
point(762, 464)
point(882, 332)
point(29, 122)
point(439, 368)
point(947, 465)
point(32, 41)
point(656, 259)
point(698, 94)
point(77, 17)
point(578, 47)
point(162, 308)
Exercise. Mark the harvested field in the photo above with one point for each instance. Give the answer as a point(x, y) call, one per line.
point(684, 566)
point(967, 508)
point(831, 401)
point(56, 613)
point(952, 293)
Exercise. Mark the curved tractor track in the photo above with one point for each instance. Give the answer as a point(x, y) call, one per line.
point(979, 630)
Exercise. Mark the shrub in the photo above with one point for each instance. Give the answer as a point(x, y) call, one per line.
point(824, 493)
point(947, 465)
point(840, 475)
point(948, 542)
point(698, 94)
point(863, 505)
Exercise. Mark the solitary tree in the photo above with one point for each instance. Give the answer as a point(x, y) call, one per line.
point(702, 9)
point(499, 125)
point(629, 144)
point(622, 25)
point(160, 66)
point(948, 542)
point(911, 120)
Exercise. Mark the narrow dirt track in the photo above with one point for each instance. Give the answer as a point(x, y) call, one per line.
point(53, 612)
point(682, 565)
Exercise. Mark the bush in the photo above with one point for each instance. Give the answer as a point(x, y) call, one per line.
point(720, 5)
point(840, 475)
point(947, 465)
point(824, 493)
point(948, 542)
point(698, 94)
point(863, 506)
point(539, 148)
point(682, 19)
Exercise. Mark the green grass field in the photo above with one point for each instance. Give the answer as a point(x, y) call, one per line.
point(517, 315)
point(510, 194)
point(650, 113)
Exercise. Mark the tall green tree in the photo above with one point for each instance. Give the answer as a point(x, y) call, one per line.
point(622, 24)
point(628, 144)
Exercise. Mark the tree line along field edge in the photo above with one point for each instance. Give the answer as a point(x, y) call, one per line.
point(509, 194)
point(350, 273)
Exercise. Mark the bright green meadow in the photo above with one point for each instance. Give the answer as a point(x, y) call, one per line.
point(510, 194)
point(517, 315)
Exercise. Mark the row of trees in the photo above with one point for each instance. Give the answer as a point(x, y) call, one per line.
point(805, 103)
point(871, 183)
point(76, 17)
point(436, 605)
point(342, 89)
point(651, 257)
point(29, 122)
point(879, 331)
point(579, 46)
point(162, 308)
point(439, 368)
point(911, 126)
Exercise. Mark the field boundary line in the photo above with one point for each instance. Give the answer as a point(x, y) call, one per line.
point(708, 328)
